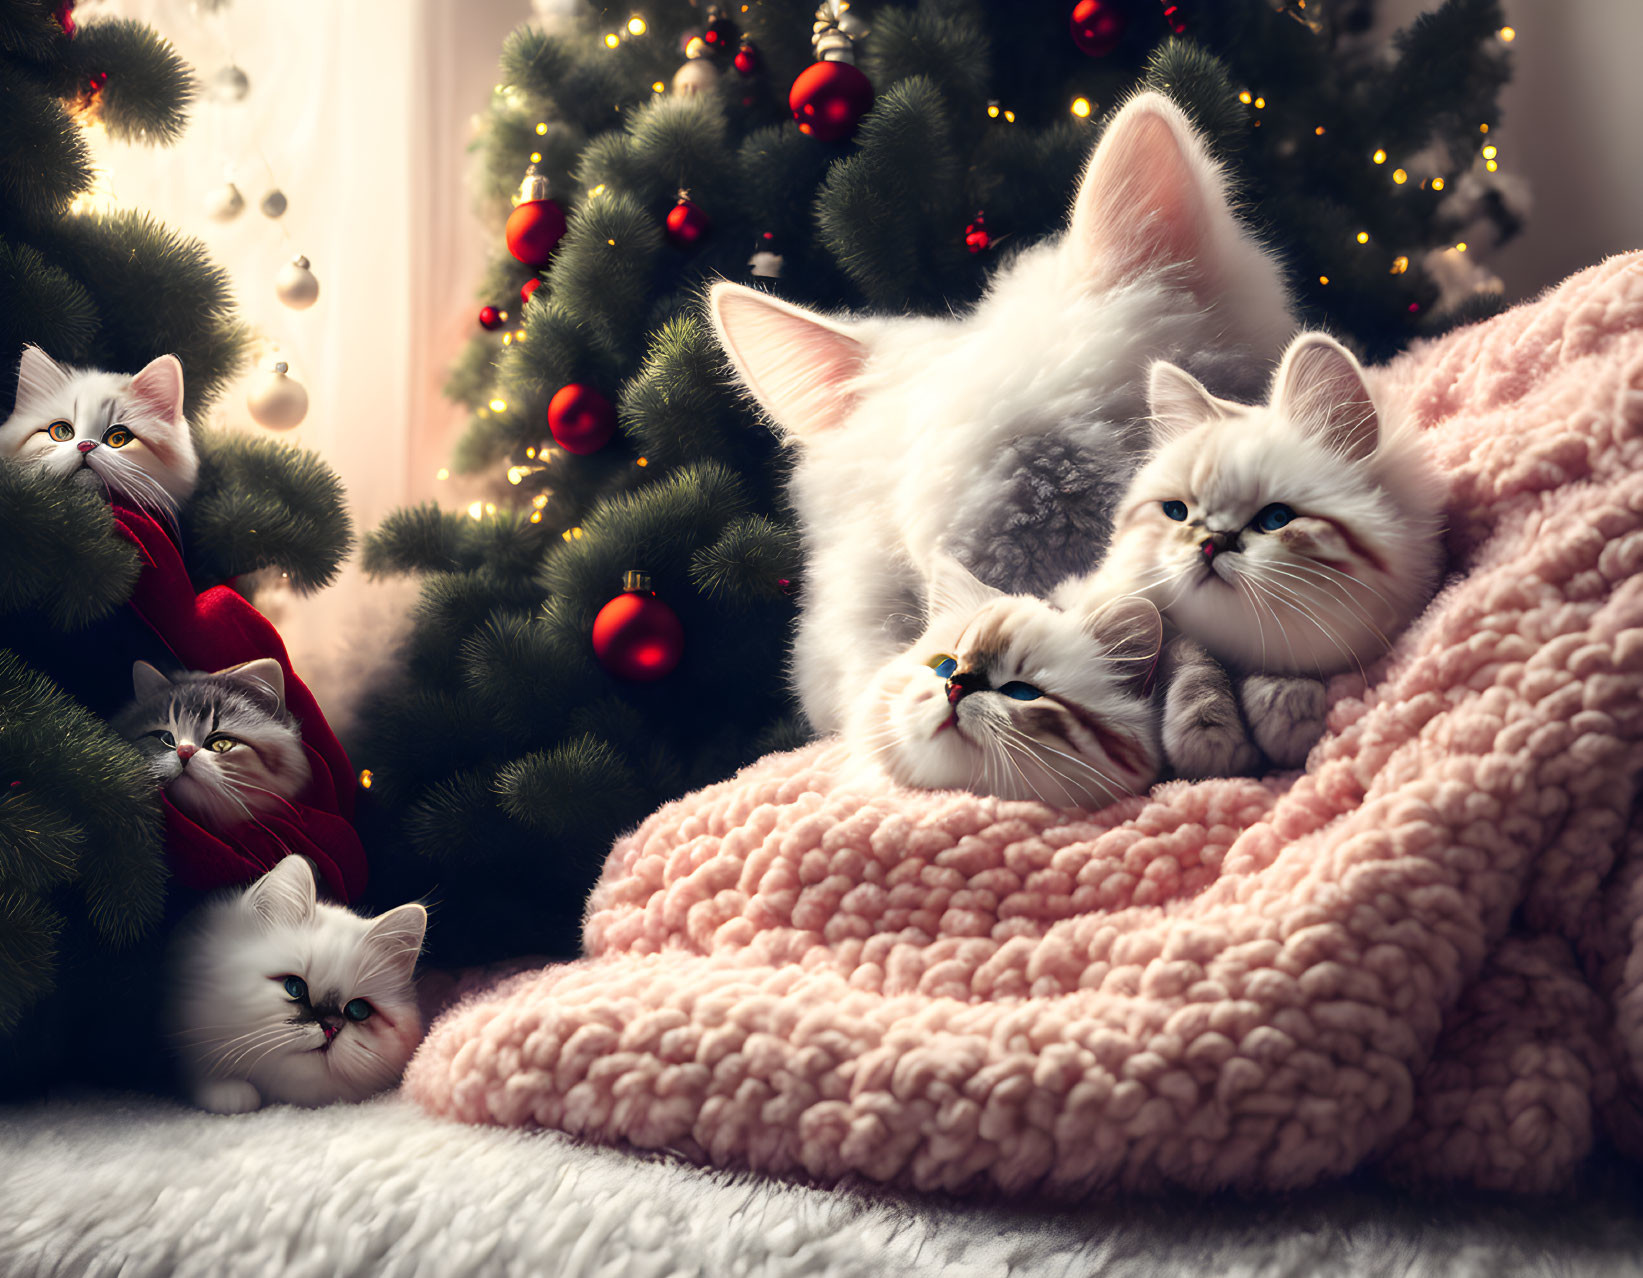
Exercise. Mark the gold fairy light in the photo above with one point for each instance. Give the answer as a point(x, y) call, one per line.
point(1400, 264)
point(1323, 279)
point(499, 406)
point(1508, 34)
point(1246, 97)
point(1081, 108)
point(1400, 176)
point(1363, 237)
point(1379, 157)
point(541, 128)
point(636, 25)
point(536, 516)
point(365, 779)
point(612, 40)
point(1437, 184)
point(442, 473)
point(476, 509)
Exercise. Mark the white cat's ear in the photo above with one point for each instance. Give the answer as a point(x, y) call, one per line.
point(285, 896)
point(1321, 388)
point(395, 939)
point(146, 680)
point(264, 674)
point(1132, 632)
point(800, 366)
point(1177, 402)
point(159, 388)
point(38, 376)
point(952, 589)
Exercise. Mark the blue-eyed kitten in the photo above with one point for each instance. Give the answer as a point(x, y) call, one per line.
point(281, 997)
point(222, 744)
point(125, 435)
point(1008, 695)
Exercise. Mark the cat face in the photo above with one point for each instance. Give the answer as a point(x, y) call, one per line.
point(222, 744)
point(124, 435)
point(1007, 435)
point(306, 1001)
point(1296, 537)
point(1007, 695)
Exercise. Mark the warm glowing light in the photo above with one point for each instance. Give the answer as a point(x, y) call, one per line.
point(612, 40)
point(1508, 34)
point(519, 333)
point(536, 516)
point(596, 192)
point(636, 25)
point(1379, 157)
point(515, 474)
point(1319, 130)
point(476, 509)
point(1323, 279)
point(531, 451)
point(1399, 176)
point(490, 508)
point(507, 339)
point(1400, 264)
point(1483, 128)
point(1490, 165)
point(643, 461)
point(442, 473)
point(536, 157)
point(992, 110)
point(1260, 104)
point(541, 127)
point(499, 406)
point(1363, 237)
point(1489, 152)
point(1437, 184)
point(658, 87)
point(1246, 97)
point(365, 779)
point(540, 500)
point(1461, 247)
point(612, 243)
point(576, 533)
point(1009, 117)
point(1081, 108)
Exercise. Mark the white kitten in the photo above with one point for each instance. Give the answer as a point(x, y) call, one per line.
point(1295, 537)
point(284, 998)
point(222, 744)
point(1006, 695)
point(126, 435)
point(1005, 436)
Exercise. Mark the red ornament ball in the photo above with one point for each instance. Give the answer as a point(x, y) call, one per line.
point(491, 319)
point(1172, 15)
point(638, 637)
point(580, 418)
point(527, 288)
point(1097, 26)
point(534, 229)
point(976, 238)
point(747, 58)
point(687, 225)
point(828, 100)
point(721, 31)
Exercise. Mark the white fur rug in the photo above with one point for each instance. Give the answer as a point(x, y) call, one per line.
point(136, 1187)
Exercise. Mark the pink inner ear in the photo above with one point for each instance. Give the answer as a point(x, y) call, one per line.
point(798, 366)
point(1142, 203)
point(160, 387)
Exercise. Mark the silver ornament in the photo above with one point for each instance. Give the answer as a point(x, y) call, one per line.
point(295, 285)
point(230, 85)
point(277, 400)
point(225, 203)
point(273, 204)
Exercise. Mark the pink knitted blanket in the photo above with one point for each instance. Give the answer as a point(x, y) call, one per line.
point(1425, 951)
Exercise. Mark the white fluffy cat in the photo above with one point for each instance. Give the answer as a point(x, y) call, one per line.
point(1007, 695)
point(124, 434)
point(1292, 537)
point(281, 997)
point(1007, 435)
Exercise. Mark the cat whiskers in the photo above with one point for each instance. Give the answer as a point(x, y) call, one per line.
point(1110, 787)
point(1280, 594)
point(140, 485)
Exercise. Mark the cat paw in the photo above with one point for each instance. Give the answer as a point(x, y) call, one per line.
point(1204, 735)
point(1285, 715)
point(227, 1096)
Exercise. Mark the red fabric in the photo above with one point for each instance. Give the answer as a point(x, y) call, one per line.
point(219, 628)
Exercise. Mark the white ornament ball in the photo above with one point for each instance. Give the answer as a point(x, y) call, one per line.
point(276, 400)
point(699, 75)
point(225, 203)
point(274, 203)
point(296, 286)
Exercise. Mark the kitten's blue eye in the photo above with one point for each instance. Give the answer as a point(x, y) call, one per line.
point(1176, 510)
point(357, 1009)
point(297, 988)
point(1272, 517)
point(61, 431)
point(1021, 691)
point(943, 665)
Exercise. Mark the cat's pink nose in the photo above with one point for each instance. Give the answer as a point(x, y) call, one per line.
point(1208, 548)
point(185, 752)
point(86, 445)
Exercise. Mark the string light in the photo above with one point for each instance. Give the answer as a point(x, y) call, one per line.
point(992, 110)
point(1399, 176)
point(1009, 117)
point(636, 25)
point(1437, 184)
point(507, 339)
point(541, 128)
point(531, 451)
point(596, 192)
point(1400, 264)
point(1508, 34)
point(1379, 157)
point(642, 461)
point(536, 516)
point(365, 779)
point(1260, 104)
point(1483, 128)
point(540, 500)
point(536, 157)
point(499, 406)
point(1461, 247)
point(515, 474)
point(476, 509)
point(612, 40)
point(442, 473)
point(658, 87)
point(1246, 97)
point(1319, 130)
point(1081, 108)
point(1323, 279)
point(1363, 237)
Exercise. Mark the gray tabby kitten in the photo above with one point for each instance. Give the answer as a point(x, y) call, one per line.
point(221, 744)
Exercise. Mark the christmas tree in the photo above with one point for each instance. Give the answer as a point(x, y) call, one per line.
point(872, 159)
point(84, 891)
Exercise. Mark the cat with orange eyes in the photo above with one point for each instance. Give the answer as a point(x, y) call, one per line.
point(122, 434)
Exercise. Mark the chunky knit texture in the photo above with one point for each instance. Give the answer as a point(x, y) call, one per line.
point(1425, 950)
